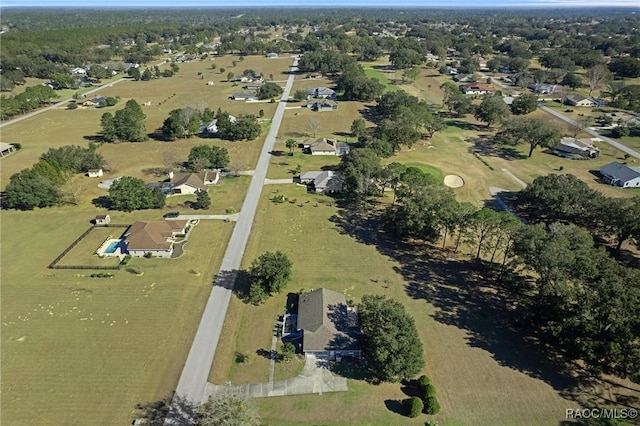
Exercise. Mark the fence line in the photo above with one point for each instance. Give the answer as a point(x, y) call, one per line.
point(54, 264)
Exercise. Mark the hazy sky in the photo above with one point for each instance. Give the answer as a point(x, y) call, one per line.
point(319, 3)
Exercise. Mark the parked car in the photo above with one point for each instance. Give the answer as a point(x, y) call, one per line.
point(171, 215)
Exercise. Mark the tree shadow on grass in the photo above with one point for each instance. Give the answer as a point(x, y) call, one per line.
point(464, 125)
point(395, 406)
point(487, 146)
point(478, 298)
point(102, 202)
point(158, 413)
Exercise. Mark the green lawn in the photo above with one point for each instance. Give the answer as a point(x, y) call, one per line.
point(79, 350)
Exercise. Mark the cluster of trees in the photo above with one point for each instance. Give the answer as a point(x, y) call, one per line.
point(130, 193)
point(207, 157)
point(537, 132)
point(32, 98)
point(390, 339)
point(270, 273)
point(185, 122)
point(227, 408)
point(269, 91)
point(149, 74)
point(127, 124)
point(356, 86)
point(47, 183)
point(326, 62)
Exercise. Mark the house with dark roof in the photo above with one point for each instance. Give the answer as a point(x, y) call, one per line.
point(621, 175)
point(544, 88)
point(324, 146)
point(463, 78)
point(154, 238)
point(329, 327)
point(576, 148)
point(321, 105)
point(578, 100)
point(325, 182)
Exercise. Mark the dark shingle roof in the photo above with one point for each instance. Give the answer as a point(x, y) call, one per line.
point(323, 316)
point(620, 171)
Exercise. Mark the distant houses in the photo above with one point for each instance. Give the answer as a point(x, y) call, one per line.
point(621, 175)
point(463, 78)
point(248, 78)
point(271, 55)
point(94, 102)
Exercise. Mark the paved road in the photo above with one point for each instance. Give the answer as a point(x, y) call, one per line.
point(566, 119)
point(593, 133)
point(191, 387)
point(231, 217)
point(56, 105)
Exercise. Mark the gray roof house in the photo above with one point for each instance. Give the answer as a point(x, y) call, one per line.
point(324, 146)
point(618, 174)
point(244, 96)
point(323, 182)
point(578, 100)
point(576, 148)
point(322, 105)
point(544, 88)
point(329, 327)
point(321, 92)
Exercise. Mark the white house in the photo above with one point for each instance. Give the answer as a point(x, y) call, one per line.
point(477, 89)
point(154, 238)
point(618, 174)
point(78, 71)
point(95, 173)
point(212, 126)
point(190, 183)
point(244, 96)
point(324, 146)
point(325, 181)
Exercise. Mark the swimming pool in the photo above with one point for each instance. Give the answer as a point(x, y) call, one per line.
point(112, 247)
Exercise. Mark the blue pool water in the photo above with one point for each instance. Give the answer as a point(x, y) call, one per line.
point(112, 247)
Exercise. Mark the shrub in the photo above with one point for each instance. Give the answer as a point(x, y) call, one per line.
point(415, 407)
point(17, 145)
point(72, 105)
point(126, 259)
point(428, 391)
point(432, 406)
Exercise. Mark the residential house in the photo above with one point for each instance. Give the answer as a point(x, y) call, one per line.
point(323, 182)
point(576, 148)
point(212, 126)
point(190, 183)
point(315, 75)
point(244, 96)
point(328, 325)
point(94, 102)
point(449, 70)
point(248, 78)
point(618, 174)
point(505, 70)
point(322, 105)
point(463, 78)
point(95, 173)
point(477, 89)
point(324, 146)
point(253, 86)
point(578, 100)
point(78, 71)
point(6, 149)
point(544, 88)
point(482, 62)
point(432, 58)
point(271, 55)
point(102, 220)
point(154, 238)
point(321, 92)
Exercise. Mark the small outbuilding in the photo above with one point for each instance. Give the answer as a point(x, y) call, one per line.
point(95, 173)
point(102, 220)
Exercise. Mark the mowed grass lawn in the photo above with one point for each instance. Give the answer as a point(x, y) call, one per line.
point(64, 127)
point(473, 385)
point(79, 350)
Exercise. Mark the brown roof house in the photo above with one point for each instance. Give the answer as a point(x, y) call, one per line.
point(329, 327)
point(578, 100)
point(477, 89)
point(190, 183)
point(153, 238)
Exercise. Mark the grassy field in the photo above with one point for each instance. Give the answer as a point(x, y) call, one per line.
point(79, 350)
point(64, 127)
point(484, 373)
